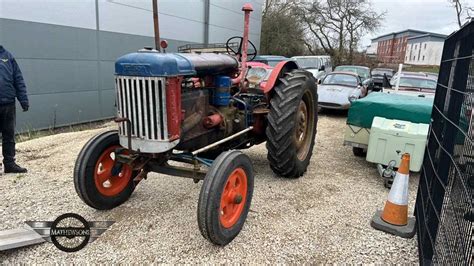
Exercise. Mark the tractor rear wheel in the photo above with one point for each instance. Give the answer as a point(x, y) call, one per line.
point(225, 197)
point(292, 124)
point(98, 181)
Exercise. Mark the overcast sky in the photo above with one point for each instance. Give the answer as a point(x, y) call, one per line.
point(428, 15)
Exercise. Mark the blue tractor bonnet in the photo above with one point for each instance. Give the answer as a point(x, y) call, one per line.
point(151, 63)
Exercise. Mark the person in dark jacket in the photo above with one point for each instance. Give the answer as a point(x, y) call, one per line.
point(12, 86)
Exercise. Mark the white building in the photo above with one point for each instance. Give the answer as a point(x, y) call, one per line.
point(372, 49)
point(425, 49)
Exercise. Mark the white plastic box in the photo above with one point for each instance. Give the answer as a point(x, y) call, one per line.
point(389, 139)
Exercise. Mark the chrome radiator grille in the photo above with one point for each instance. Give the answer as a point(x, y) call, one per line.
point(143, 101)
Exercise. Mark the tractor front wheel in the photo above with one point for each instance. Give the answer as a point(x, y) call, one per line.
point(225, 197)
point(99, 181)
point(292, 124)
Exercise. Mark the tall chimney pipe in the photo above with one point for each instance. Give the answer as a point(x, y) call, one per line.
point(156, 25)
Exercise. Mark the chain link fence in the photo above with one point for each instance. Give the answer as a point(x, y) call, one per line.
point(444, 205)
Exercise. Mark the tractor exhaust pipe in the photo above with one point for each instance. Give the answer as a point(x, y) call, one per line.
point(247, 8)
point(156, 25)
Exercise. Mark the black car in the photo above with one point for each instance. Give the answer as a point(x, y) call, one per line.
point(378, 75)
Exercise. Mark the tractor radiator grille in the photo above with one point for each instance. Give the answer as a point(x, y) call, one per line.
point(143, 101)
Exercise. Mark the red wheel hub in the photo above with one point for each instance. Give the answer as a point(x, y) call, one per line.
point(233, 198)
point(107, 184)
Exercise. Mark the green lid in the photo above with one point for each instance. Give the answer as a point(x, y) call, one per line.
point(390, 106)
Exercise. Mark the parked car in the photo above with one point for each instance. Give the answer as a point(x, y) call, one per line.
point(416, 85)
point(432, 75)
point(318, 65)
point(337, 90)
point(378, 74)
point(362, 71)
point(415, 74)
point(271, 60)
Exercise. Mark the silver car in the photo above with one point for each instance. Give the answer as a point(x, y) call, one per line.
point(339, 89)
point(318, 65)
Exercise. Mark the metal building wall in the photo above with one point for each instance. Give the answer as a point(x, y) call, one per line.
point(67, 49)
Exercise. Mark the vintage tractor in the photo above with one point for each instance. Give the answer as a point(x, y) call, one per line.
point(176, 110)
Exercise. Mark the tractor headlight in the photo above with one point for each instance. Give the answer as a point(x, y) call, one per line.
point(352, 98)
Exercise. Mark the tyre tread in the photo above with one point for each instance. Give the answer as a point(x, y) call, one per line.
point(284, 103)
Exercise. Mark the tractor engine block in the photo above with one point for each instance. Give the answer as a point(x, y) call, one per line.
point(204, 122)
point(176, 101)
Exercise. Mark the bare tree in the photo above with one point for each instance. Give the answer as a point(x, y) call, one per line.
point(282, 33)
point(360, 19)
point(324, 25)
point(457, 5)
point(463, 11)
point(337, 25)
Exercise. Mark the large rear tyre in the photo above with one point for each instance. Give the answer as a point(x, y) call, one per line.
point(292, 124)
point(96, 181)
point(225, 197)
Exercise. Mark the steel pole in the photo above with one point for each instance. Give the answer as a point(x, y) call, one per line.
point(397, 84)
point(156, 25)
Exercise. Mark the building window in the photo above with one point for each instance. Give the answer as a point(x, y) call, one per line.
point(425, 46)
point(423, 58)
point(415, 46)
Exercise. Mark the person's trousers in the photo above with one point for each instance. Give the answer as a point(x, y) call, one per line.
point(7, 128)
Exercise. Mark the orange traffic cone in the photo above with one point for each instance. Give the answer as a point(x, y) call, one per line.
point(396, 207)
point(394, 217)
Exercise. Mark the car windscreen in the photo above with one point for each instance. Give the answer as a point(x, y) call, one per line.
point(340, 79)
point(377, 72)
point(362, 72)
point(309, 62)
point(412, 82)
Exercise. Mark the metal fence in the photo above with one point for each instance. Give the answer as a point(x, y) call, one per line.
point(444, 205)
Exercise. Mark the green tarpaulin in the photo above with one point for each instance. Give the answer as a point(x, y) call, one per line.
point(390, 106)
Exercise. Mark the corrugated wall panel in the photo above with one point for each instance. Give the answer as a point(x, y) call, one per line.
point(68, 65)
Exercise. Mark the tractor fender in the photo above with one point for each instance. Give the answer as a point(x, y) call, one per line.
point(278, 71)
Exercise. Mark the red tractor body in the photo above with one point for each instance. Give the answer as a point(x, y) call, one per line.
point(198, 109)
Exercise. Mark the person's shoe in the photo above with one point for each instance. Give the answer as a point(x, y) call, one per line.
point(14, 168)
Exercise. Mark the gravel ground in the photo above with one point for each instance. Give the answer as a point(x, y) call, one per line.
point(322, 217)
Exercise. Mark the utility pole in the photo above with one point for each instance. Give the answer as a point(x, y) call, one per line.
point(156, 25)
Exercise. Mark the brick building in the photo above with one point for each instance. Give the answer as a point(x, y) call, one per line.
point(391, 48)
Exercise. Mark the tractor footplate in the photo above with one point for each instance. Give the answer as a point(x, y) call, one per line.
point(178, 171)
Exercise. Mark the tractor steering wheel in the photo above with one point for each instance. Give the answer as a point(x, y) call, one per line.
point(238, 52)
